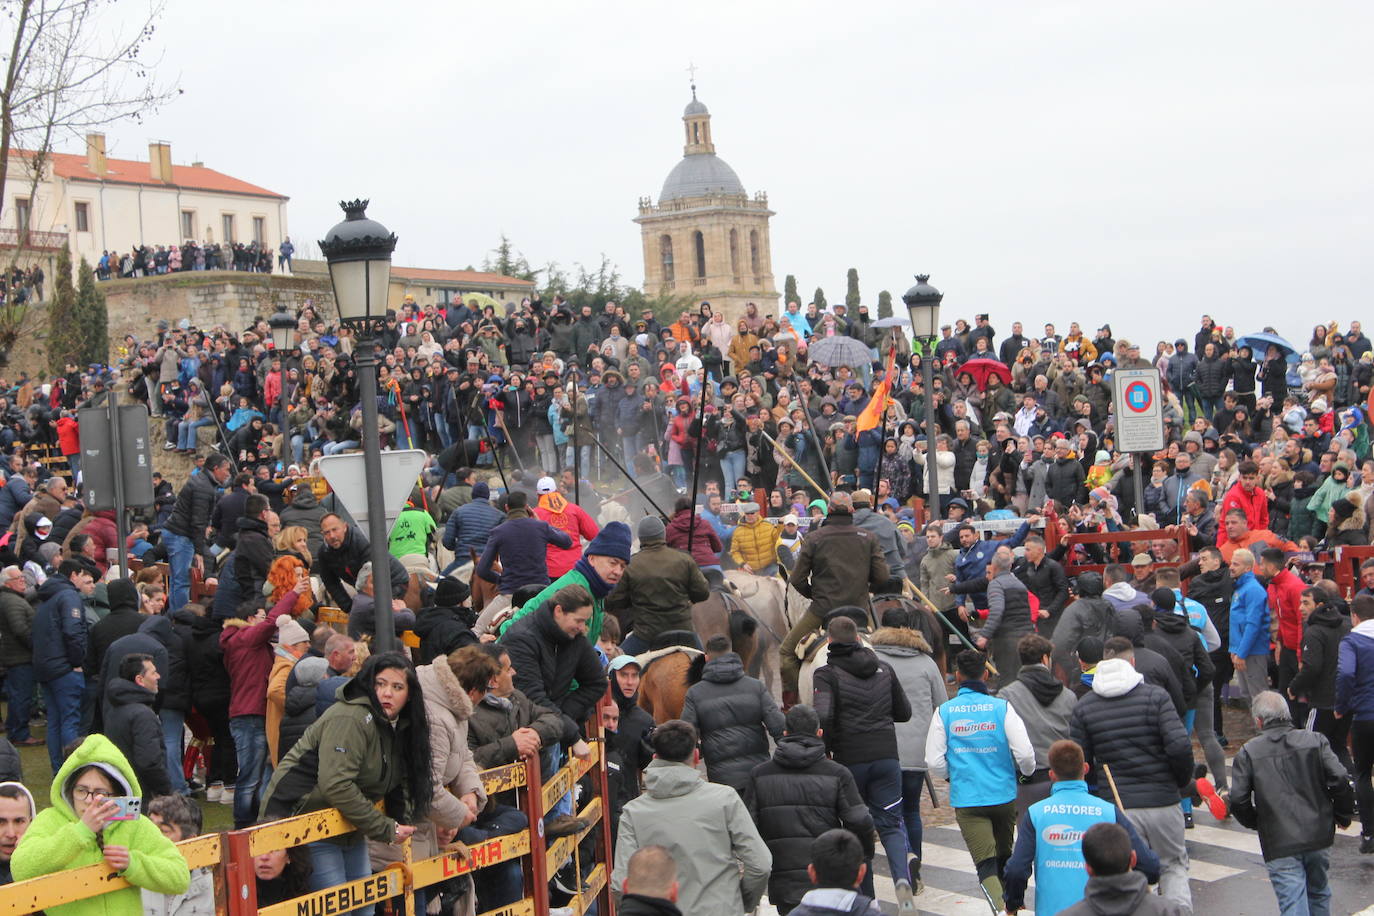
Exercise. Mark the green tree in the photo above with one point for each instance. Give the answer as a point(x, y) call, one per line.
point(819, 298)
point(64, 325)
point(789, 291)
point(92, 315)
point(508, 261)
point(851, 291)
point(884, 304)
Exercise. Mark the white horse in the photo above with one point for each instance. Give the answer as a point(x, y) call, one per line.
point(776, 605)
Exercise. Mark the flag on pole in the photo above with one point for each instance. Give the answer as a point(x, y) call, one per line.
point(872, 415)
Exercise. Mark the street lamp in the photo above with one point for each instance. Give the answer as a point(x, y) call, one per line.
point(358, 251)
point(923, 307)
point(283, 325)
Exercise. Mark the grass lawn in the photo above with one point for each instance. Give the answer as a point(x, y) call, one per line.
point(38, 778)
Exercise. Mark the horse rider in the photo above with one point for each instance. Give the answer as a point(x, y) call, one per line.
point(830, 572)
point(657, 592)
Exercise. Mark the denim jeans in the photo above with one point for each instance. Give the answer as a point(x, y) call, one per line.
point(1300, 883)
point(732, 466)
point(503, 884)
point(334, 448)
point(63, 699)
point(173, 729)
point(19, 701)
point(186, 432)
point(441, 430)
point(913, 781)
point(337, 862)
point(250, 743)
point(880, 785)
point(181, 553)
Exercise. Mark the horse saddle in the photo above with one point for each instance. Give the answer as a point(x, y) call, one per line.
point(648, 658)
point(810, 645)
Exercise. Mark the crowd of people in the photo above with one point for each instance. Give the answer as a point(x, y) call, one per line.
point(1074, 694)
point(156, 260)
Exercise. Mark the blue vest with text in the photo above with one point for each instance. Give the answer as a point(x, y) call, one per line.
point(981, 769)
point(1059, 823)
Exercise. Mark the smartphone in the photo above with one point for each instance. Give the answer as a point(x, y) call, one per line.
point(129, 807)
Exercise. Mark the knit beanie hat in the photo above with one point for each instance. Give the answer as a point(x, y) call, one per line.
point(613, 541)
point(1343, 509)
point(480, 490)
point(451, 592)
point(310, 670)
point(289, 633)
point(650, 528)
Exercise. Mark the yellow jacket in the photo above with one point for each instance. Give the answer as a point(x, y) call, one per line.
point(755, 545)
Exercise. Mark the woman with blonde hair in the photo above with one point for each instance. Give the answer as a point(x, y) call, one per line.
point(294, 540)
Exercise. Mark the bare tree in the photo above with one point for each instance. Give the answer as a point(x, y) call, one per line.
point(69, 67)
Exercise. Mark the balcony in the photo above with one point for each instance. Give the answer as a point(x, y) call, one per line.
point(32, 239)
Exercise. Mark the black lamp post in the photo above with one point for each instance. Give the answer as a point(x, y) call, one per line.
point(283, 325)
point(359, 254)
point(923, 307)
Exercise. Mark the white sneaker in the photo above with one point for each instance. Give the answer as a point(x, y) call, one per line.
point(226, 796)
point(215, 792)
point(906, 902)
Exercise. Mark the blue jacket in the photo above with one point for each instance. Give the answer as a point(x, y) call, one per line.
point(13, 496)
point(59, 630)
point(1249, 618)
point(971, 566)
point(1061, 820)
point(978, 754)
point(470, 525)
point(522, 544)
point(1354, 673)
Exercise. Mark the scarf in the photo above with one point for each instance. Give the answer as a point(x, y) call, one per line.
point(555, 504)
point(598, 585)
point(979, 686)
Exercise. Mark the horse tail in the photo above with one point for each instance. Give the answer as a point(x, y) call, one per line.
point(742, 626)
point(696, 669)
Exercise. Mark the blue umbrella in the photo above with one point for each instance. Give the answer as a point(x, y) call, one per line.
point(1260, 343)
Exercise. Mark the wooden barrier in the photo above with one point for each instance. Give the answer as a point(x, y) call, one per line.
point(231, 855)
point(1172, 533)
point(1347, 562)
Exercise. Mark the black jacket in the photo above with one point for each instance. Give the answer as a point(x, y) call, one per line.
point(205, 661)
point(734, 714)
point(1210, 376)
point(136, 730)
point(1048, 583)
point(1287, 784)
point(298, 715)
point(443, 630)
point(305, 510)
point(859, 700)
point(1136, 731)
point(342, 564)
point(59, 630)
point(794, 798)
point(194, 506)
point(1064, 481)
point(1213, 590)
point(16, 629)
point(554, 669)
point(253, 556)
point(1197, 664)
point(639, 905)
point(1157, 661)
point(1321, 642)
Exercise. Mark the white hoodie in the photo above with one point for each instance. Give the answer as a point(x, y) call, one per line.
point(1115, 677)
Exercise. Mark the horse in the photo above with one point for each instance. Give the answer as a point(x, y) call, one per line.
point(777, 606)
point(922, 619)
point(665, 679)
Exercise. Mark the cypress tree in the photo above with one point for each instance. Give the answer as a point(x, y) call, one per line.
point(92, 315)
point(851, 291)
point(819, 299)
point(789, 291)
point(64, 328)
point(884, 304)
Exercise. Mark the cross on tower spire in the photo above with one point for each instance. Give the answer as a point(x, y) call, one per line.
point(692, 77)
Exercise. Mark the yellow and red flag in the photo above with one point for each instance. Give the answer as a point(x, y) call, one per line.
point(872, 415)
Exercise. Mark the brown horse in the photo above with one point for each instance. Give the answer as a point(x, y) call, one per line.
point(922, 620)
point(663, 686)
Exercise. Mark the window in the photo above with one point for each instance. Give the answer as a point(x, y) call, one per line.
point(83, 216)
point(701, 254)
point(734, 254)
point(188, 225)
point(754, 252)
point(229, 236)
point(665, 254)
point(21, 214)
point(260, 229)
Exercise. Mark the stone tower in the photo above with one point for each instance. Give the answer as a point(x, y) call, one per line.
point(706, 238)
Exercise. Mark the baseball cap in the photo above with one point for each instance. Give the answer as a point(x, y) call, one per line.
point(790, 520)
point(546, 485)
point(620, 661)
point(1142, 559)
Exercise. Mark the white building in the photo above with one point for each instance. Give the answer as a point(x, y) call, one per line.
point(99, 204)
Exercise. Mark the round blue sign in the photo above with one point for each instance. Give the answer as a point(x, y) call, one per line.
point(1139, 397)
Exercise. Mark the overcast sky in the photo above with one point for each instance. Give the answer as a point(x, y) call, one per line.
point(1043, 161)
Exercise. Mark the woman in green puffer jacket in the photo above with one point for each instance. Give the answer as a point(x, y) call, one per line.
point(77, 831)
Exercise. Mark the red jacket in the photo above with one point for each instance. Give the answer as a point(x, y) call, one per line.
point(69, 436)
point(570, 518)
point(248, 658)
point(1285, 593)
point(706, 545)
point(1255, 505)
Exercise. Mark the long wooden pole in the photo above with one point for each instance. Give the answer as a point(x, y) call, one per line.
point(782, 450)
point(968, 644)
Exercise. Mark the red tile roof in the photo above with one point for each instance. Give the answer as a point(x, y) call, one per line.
point(461, 277)
point(131, 171)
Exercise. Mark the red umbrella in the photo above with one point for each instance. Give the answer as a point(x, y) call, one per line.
point(981, 369)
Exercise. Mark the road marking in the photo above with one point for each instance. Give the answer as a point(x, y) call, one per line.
point(1227, 839)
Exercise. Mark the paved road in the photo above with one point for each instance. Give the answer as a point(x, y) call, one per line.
point(1227, 871)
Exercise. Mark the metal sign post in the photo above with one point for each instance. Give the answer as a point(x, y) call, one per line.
point(1138, 405)
point(116, 463)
